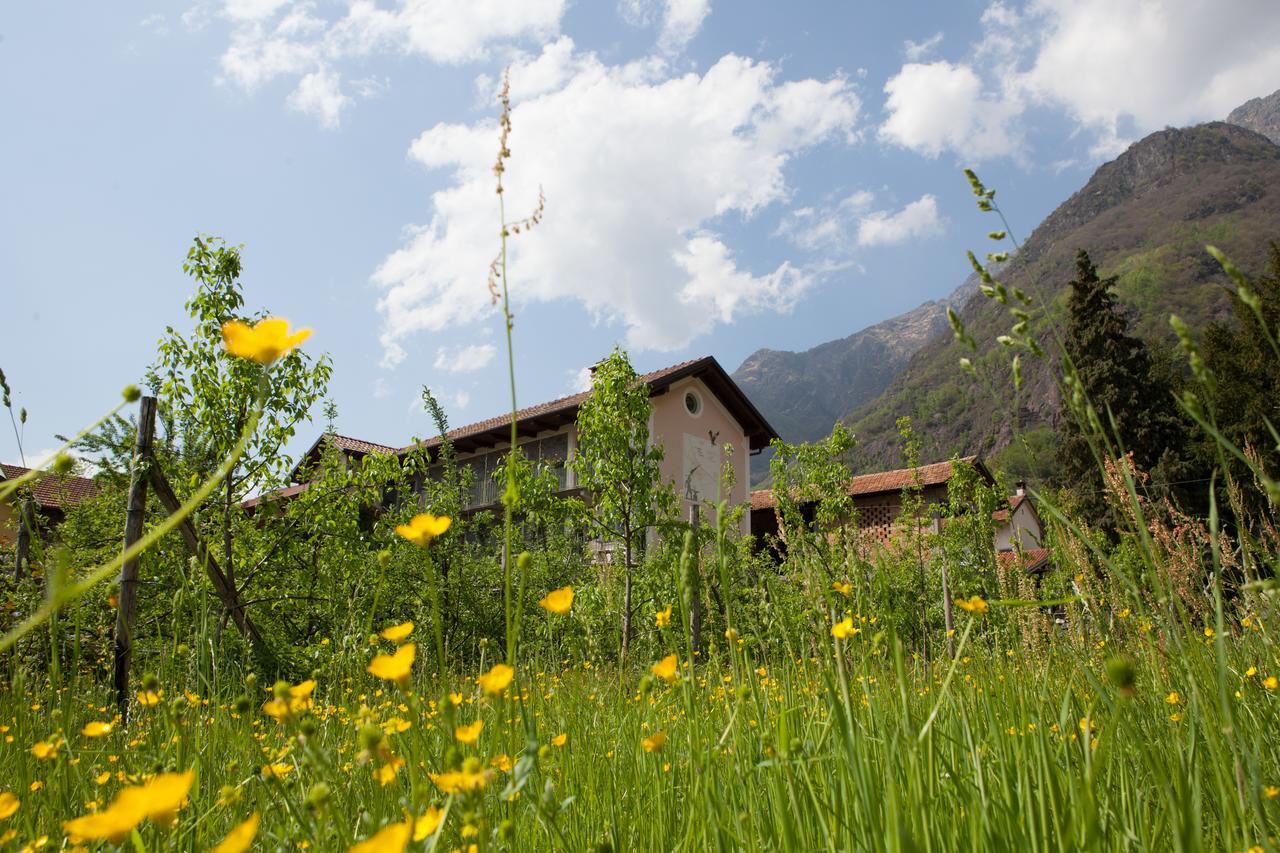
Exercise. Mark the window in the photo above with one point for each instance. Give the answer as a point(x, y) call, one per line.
point(550, 453)
point(693, 403)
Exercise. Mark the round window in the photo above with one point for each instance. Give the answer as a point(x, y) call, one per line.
point(692, 403)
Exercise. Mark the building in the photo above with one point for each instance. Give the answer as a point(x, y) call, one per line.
point(1019, 527)
point(877, 498)
point(53, 494)
point(698, 410)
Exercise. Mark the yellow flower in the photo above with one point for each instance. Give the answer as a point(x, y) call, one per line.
point(424, 527)
point(97, 729)
point(1270, 682)
point(1271, 791)
point(666, 669)
point(44, 750)
point(241, 838)
point(663, 617)
point(655, 743)
point(148, 698)
point(386, 774)
point(461, 781)
point(303, 690)
point(560, 739)
point(426, 825)
point(1173, 698)
point(558, 600)
point(102, 778)
point(159, 800)
point(395, 667)
point(843, 629)
point(502, 762)
point(1208, 632)
point(495, 681)
point(397, 633)
point(9, 804)
point(455, 698)
point(976, 604)
point(1251, 672)
point(469, 734)
point(276, 770)
point(843, 588)
point(389, 839)
point(264, 342)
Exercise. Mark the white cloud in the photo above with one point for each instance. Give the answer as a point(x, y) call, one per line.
point(918, 50)
point(275, 38)
point(939, 106)
point(319, 94)
point(579, 380)
point(465, 359)
point(838, 230)
point(918, 219)
point(1112, 66)
point(633, 190)
point(681, 19)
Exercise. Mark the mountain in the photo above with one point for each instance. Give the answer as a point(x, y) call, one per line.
point(803, 394)
point(1261, 115)
point(1144, 217)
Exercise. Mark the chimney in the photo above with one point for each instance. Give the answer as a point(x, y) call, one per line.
point(1020, 489)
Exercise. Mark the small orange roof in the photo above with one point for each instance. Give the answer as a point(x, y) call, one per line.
point(881, 482)
point(53, 490)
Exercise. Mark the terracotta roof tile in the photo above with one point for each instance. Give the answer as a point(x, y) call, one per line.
point(1033, 559)
point(879, 483)
point(355, 445)
point(54, 490)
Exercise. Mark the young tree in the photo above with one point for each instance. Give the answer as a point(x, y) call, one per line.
point(1246, 370)
point(618, 467)
point(208, 395)
point(1115, 372)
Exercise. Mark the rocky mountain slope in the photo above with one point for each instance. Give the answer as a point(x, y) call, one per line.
point(1144, 217)
point(1261, 115)
point(803, 394)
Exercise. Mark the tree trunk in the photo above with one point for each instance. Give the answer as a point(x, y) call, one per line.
point(626, 601)
point(227, 562)
point(24, 539)
point(222, 586)
point(135, 515)
point(949, 620)
point(693, 589)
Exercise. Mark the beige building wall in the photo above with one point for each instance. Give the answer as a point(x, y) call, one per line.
point(1021, 527)
point(8, 525)
point(693, 428)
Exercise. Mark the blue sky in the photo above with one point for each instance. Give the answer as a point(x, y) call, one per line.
point(719, 177)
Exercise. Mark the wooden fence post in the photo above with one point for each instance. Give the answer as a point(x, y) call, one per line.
point(24, 537)
point(135, 513)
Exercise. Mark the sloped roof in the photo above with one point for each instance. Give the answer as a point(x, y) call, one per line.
point(1015, 501)
point(554, 413)
point(1033, 559)
point(884, 482)
point(54, 491)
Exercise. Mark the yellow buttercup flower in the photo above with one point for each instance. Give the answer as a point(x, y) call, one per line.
point(148, 698)
point(97, 729)
point(560, 739)
point(396, 667)
point(386, 774)
point(397, 633)
point(1270, 682)
point(241, 838)
point(976, 605)
point(469, 778)
point(424, 527)
point(502, 762)
point(1173, 698)
point(276, 770)
point(495, 681)
point(44, 750)
point(425, 826)
point(263, 342)
point(9, 804)
point(158, 800)
point(843, 588)
point(663, 617)
point(655, 743)
point(1251, 672)
point(666, 669)
point(1272, 791)
point(558, 600)
point(469, 734)
point(843, 629)
point(389, 839)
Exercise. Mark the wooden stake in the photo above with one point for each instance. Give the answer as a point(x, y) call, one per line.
point(135, 514)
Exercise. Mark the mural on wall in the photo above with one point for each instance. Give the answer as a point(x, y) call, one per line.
point(700, 473)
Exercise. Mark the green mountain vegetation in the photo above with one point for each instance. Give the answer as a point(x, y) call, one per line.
point(1145, 219)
